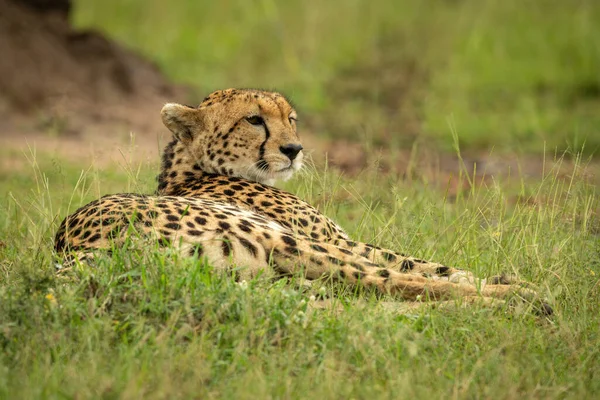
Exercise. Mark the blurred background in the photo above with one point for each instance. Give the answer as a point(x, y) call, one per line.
point(395, 83)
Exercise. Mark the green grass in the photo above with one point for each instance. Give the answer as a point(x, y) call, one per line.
point(145, 323)
point(510, 74)
point(142, 323)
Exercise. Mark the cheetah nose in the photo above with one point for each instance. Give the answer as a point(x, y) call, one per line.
point(291, 150)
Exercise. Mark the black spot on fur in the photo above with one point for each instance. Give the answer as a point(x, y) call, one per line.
point(499, 280)
point(357, 266)
point(249, 246)
point(226, 248)
point(244, 228)
point(303, 222)
point(289, 240)
point(384, 273)
point(358, 275)
point(316, 261)
point(292, 250)
point(164, 242)
point(407, 265)
point(318, 248)
point(442, 271)
point(200, 220)
point(196, 250)
point(335, 261)
point(389, 256)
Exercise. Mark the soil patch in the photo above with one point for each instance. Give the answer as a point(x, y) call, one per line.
point(53, 77)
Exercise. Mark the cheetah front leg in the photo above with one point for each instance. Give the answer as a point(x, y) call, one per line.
point(325, 260)
point(412, 265)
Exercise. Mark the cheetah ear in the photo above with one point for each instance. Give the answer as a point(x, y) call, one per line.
point(183, 121)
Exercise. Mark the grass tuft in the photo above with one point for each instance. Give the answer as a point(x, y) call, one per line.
point(142, 322)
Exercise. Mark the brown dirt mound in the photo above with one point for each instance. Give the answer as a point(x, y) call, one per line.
point(77, 78)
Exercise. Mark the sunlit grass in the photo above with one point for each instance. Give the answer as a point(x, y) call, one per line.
point(462, 76)
point(144, 322)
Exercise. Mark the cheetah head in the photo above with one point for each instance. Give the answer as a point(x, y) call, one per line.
point(243, 133)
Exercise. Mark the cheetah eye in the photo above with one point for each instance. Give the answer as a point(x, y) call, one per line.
point(255, 120)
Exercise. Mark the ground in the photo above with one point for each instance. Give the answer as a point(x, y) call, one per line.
point(146, 324)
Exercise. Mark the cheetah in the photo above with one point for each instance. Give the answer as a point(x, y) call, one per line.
point(215, 200)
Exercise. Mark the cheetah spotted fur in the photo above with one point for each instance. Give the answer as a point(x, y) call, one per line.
point(215, 200)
